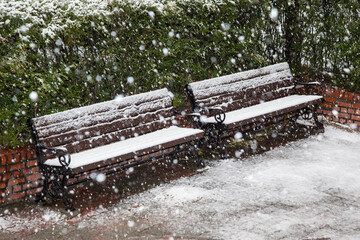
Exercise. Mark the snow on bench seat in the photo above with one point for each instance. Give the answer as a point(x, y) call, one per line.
point(107, 137)
point(251, 97)
point(128, 148)
point(267, 109)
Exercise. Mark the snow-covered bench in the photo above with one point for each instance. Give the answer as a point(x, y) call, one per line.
point(107, 137)
point(250, 99)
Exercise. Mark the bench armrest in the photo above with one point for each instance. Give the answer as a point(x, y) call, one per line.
point(61, 153)
point(308, 83)
point(312, 87)
point(187, 115)
point(218, 113)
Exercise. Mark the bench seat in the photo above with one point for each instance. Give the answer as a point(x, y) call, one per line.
point(267, 109)
point(250, 100)
point(129, 148)
point(108, 137)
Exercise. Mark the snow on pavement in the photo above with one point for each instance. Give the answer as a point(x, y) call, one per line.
point(308, 189)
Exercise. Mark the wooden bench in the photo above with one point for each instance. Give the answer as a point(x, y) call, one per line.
point(249, 100)
point(107, 137)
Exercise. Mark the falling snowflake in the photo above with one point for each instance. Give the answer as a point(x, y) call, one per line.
point(130, 80)
point(274, 14)
point(34, 96)
point(100, 177)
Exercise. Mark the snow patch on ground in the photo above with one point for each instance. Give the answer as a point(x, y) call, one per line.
point(305, 190)
point(31, 221)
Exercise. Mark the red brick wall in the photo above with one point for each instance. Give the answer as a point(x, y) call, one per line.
point(341, 106)
point(19, 174)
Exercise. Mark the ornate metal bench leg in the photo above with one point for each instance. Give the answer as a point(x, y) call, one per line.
point(40, 197)
point(68, 204)
point(195, 150)
point(220, 132)
point(295, 117)
point(319, 125)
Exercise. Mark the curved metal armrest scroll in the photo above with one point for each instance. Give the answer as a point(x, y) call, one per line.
point(218, 113)
point(61, 153)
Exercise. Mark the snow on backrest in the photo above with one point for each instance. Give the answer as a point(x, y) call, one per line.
point(244, 89)
point(103, 123)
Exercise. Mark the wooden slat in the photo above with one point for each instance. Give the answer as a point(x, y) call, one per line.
point(141, 152)
point(68, 125)
point(56, 139)
point(104, 139)
point(236, 86)
point(214, 82)
point(240, 98)
point(129, 102)
point(276, 113)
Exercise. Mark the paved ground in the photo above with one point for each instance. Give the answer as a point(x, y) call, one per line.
point(27, 220)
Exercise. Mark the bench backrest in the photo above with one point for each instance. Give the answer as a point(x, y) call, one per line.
point(103, 123)
point(242, 89)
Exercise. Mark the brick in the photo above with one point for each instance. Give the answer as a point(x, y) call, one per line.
point(26, 171)
point(13, 158)
point(2, 185)
point(355, 117)
point(336, 108)
point(328, 105)
point(17, 188)
point(3, 159)
point(16, 196)
point(16, 174)
point(31, 163)
point(357, 111)
point(351, 110)
point(35, 169)
point(16, 166)
point(30, 155)
point(356, 105)
point(342, 120)
point(327, 112)
point(332, 93)
point(33, 177)
point(356, 97)
point(341, 94)
point(22, 155)
point(329, 99)
point(351, 97)
point(344, 104)
point(35, 184)
point(2, 170)
point(16, 182)
point(344, 110)
point(345, 96)
point(328, 117)
point(6, 176)
point(33, 191)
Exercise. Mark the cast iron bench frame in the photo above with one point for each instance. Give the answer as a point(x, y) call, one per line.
point(56, 177)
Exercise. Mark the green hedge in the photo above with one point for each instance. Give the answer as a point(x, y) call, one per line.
point(73, 53)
